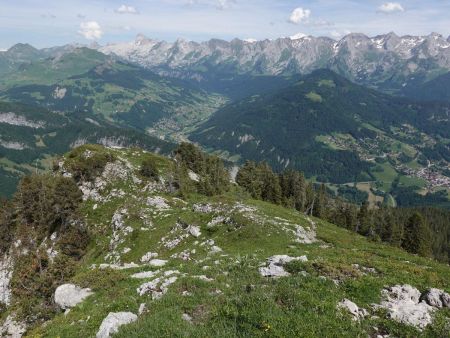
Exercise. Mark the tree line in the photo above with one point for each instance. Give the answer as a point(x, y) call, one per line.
point(423, 231)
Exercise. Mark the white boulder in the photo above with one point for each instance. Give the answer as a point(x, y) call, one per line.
point(113, 322)
point(356, 312)
point(193, 176)
point(157, 262)
point(148, 257)
point(274, 267)
point(436, 298)
point(194, 231)
point(403, 305)
point(68, 295)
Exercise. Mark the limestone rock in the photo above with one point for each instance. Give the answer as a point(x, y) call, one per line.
point(356, 312)
point(194, 231)
point(11, 328)
point(6, 271)
point(436, 298)
point(113, 321)
point(68, 295)
point(275, 265)
point(157, 262)
point(403, 305)
point(148, 257)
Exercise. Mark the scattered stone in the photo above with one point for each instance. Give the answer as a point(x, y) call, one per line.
point(364, 269)
point(117, 266)
point(157, 288)
point(203, 278)
point(217, 220)
point(113, 321)
point(436, 298)
point(69, 295)
point(148, 257)
point(203, 208)
point(305, 236)
point(158, 203)
point(187, 318)
point(145, 274)
point(215, 249)
point(11, 328)
point(6, 271)
point(194, 231)
point(142, 308)
point(356, 312)
point(157, 262)
point(403, 305)
point(193, 176)
point(275, 265)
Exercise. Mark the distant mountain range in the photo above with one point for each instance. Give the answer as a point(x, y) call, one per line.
point(368, 112)
point(387, 62)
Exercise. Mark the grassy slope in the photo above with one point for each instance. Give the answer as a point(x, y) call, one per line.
point(249, 304)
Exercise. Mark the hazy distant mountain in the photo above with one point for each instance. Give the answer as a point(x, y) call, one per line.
point(389, 62)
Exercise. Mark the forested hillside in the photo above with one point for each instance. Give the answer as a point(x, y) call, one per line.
point(31, 138)
point(336, 132)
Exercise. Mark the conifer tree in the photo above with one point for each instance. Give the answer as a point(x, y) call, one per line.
point(417, 236)
point(363, 223)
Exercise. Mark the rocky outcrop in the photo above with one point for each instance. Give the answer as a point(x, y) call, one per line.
point(436, 298)
point(113, 322)
point(18, 120)
point(159, 286)
point(148, 257)
point(11, 328)
point(68, 295)
point(274, 267)
point(404, 305)
point(6, 271)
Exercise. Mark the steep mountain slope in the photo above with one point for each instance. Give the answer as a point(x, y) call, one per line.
point(334, 130)
point(85, 80)
point(388, 62)
point(160, 264)
point(436, 89)
point(31, 137)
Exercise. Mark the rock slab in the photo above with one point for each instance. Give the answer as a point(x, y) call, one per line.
point(113, 322)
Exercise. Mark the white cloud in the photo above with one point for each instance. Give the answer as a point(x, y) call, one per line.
point(299, 15)
point(339, 34)
point(391, 7)
point(218, 4)
point(124, 9)
point(91, 30)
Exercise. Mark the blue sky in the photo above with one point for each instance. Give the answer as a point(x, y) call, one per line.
point(49, 23)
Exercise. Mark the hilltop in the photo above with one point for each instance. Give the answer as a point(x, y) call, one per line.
point(169, 251)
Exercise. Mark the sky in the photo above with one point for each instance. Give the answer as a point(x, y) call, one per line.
point(51, 23)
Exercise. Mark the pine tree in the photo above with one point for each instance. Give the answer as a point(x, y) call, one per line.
point(271, 189)
point(321, 202)
point(364, 222)
point(309, 199)
point(417, 236)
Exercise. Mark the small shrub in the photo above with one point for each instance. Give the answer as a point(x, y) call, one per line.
point(149, 169)
point(99, 279)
